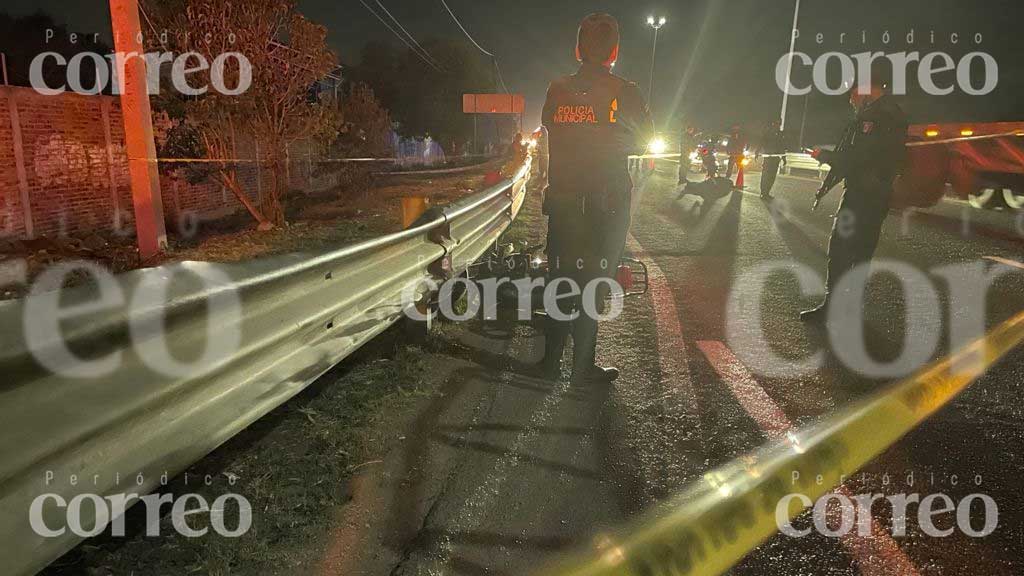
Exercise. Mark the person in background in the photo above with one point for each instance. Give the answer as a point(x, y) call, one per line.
point(541, 156)
point(735, 151)
point(516, 148)
point(772, 146)
point(687, 144)
point(708, 156)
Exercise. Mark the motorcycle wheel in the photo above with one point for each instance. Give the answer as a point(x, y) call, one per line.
point(1013, 199)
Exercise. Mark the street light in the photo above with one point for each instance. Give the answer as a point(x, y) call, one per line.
point(789, 67)
point(656, 24)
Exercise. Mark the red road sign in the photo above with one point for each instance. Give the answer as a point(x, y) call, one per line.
point(493, 103)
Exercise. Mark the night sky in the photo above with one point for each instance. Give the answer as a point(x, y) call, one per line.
point(716, 58)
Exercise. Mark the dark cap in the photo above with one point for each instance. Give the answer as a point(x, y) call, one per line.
point(598, 38)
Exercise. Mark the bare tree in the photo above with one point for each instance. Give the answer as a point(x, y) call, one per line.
point(367, 124)
point(285, 56)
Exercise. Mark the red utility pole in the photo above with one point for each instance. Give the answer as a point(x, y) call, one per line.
point(138, 128)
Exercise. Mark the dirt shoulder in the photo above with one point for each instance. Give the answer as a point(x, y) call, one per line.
point(316, 222)
point(296, 467)
point(334, 218)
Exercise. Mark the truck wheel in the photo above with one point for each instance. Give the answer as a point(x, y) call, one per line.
point(998, 201)
point(1013, 199)
point(982, 199)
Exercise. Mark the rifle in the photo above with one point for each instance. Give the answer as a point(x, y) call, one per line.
point(834, 176)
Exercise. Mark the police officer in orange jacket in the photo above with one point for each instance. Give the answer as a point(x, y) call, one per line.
point(595, 120)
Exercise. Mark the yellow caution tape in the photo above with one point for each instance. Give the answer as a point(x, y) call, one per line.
point(714, 523)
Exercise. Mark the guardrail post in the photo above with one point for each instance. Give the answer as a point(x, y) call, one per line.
point(511, 195)
point(441, 235)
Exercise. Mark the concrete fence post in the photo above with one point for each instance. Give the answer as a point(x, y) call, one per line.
point(115, 198)
point(19, 164)
point(259, 173)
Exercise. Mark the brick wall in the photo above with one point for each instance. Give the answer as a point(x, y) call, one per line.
point(76, 171)
point(70, 183)
point(11, 223)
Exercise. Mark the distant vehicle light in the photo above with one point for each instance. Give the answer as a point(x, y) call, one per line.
point(658, 146)
point(745, 162)
point(967, 132)
point(931, 133)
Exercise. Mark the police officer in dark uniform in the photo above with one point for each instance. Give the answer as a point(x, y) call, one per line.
point(687, 144)
point(735, 149)
point(541, 136)
point(772, 145)
point(595, 120)
point(868, 158)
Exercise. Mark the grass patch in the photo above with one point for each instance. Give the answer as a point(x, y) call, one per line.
point(294, 467)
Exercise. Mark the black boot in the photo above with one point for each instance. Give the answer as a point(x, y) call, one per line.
point(601, 375)
point(547, 369)
point(550, 366)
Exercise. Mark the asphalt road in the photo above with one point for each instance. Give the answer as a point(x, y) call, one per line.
point(535, 468)
point(447, 457)
point(706, 244)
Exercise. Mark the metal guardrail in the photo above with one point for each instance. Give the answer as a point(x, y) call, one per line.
point(803, 161)
point(300, 316)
